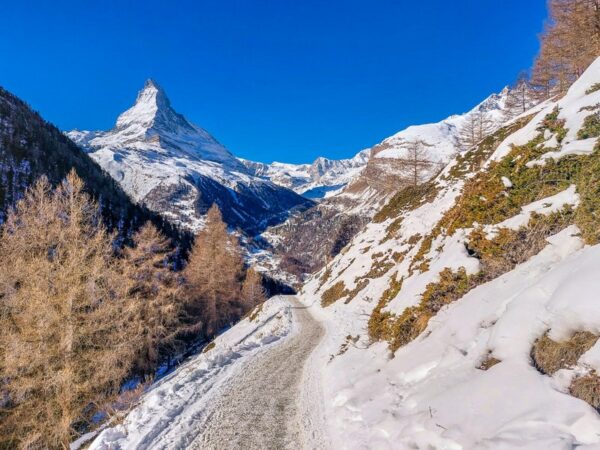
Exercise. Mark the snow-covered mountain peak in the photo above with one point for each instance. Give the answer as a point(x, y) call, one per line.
point(151, 104)
point(179, 170)
point(153, 127)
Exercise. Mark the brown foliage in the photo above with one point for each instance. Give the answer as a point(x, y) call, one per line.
point(569, 43)
point(155, 289)
point(550, 356)
point(66, 334)
point(587, 388)
point(334, 293)
point(213, 277)
point(253, 293)
point(476, 128)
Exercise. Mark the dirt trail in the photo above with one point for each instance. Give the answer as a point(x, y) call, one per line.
point(259, 407)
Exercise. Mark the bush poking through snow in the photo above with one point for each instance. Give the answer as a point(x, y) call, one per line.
point(587, 388)
point(209, 347)
point(593, 88)
point(511, 247)
point(407, 199)
point(334, 293)
point(380, 322)
point(472, 160)
point(413, 321)
point(550, 356)
point(555, 125)
point(488, 362)
point(590, 127)
point(354, 292)
point(326, 275)
point(255, 312)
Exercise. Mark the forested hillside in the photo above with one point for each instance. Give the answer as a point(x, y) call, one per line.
point(30, 147)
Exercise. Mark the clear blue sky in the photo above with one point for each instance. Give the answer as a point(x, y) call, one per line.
point(273, 80)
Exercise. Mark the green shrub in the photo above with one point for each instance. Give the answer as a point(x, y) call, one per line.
point(590, 127)
point(413, 320)
point(407, 199)
point(552, 123)
point(472, 160)
point(209, 347)
point(593, 88)
point(379, 325)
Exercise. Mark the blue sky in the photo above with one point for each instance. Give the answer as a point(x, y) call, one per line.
point(284, 80)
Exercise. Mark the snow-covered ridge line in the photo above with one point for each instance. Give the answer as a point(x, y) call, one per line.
point(319, 179)
point(179, 170)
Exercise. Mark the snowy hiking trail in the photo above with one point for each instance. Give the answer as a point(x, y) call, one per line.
point(259, 408)
point(256, 389)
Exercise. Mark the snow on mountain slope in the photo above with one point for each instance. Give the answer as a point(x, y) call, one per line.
point(306, 241)
point(443, 135)
point(389, 165)
point(434, 311)
point(317, 180)
point(178, 169)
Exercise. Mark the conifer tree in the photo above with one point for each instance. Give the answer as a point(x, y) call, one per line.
point(213, 275)
point(66, 334)
point(153, 287)
point(253, 292)
point(569, 43)
point(417, 162)
point(477, 127)
point(519, 97)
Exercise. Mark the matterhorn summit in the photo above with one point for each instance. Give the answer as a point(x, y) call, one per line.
point(179, 170)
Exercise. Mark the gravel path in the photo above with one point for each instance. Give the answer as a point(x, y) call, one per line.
point(259, 407)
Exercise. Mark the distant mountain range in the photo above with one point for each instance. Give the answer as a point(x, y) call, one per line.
point(320, 179)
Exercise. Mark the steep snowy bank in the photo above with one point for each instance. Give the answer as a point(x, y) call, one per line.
point(433, 393)
point(435, 311)
point(168, 413)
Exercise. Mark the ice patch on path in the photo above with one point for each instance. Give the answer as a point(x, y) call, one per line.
point(167, 413)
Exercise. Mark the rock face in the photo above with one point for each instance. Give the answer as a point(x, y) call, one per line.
point(179, 170)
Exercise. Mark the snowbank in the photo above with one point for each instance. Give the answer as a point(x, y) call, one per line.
point(168, 411)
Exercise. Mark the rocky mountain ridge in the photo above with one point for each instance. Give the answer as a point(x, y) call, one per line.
point(179, 170)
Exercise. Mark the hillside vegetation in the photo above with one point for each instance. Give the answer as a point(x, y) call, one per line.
point(462, 253)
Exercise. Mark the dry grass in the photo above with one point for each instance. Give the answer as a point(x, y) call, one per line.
point(354, 292)
point(587, 388)
point(488, 362)
point(255, 312)
point(334, 293)
point(550, 356)
point(209, 347)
